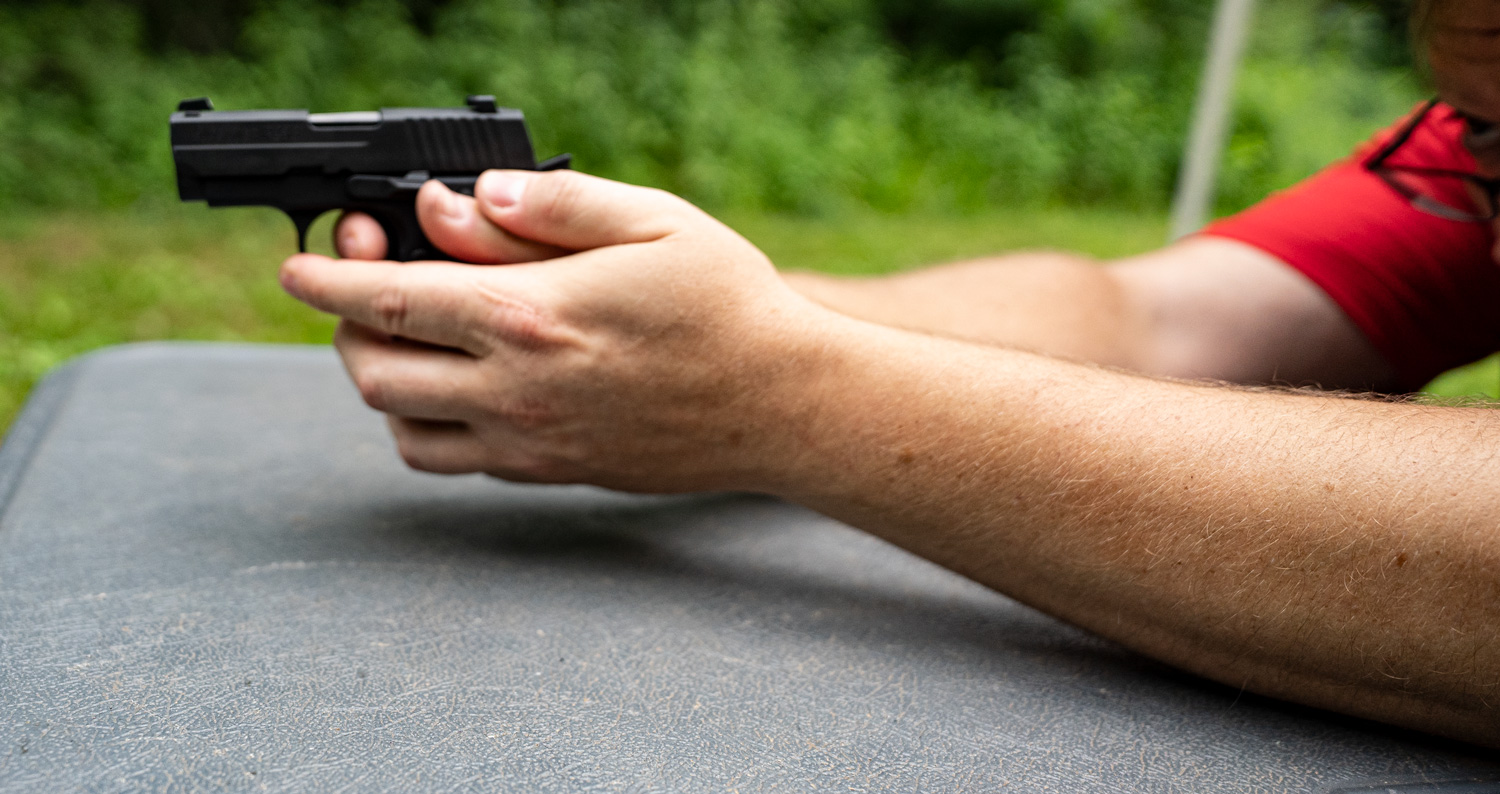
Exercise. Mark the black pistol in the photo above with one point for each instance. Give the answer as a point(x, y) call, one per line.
point(306, 164)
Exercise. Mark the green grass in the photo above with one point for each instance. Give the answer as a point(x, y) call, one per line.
point(70, 283)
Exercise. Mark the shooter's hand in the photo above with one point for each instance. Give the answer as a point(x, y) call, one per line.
point(453, 222)
point(665, 355)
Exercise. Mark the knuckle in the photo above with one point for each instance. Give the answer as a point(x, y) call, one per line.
point(517, 322)
point(412, 454)
point(666, 199)
point(371, 389)
point(669, 209)
point(559, 196)
point(391, 305)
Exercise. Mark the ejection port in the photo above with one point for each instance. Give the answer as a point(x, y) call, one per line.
point(362, 118)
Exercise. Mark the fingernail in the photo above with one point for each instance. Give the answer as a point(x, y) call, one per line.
point(348, 242)
point(500, 188)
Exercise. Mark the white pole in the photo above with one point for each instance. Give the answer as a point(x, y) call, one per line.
point(1205, 147)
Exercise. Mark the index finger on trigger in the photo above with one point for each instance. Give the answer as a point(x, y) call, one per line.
point(431, 302)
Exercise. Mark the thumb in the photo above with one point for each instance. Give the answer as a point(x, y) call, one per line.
point(578, 211)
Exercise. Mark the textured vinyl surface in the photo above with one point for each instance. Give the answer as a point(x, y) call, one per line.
point(216, 574)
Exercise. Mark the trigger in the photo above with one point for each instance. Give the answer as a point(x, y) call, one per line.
point(303, 221)
point(396, 244)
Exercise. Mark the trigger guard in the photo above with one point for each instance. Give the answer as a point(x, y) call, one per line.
point(303, 220)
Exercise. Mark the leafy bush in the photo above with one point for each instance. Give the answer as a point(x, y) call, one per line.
point(809, 106)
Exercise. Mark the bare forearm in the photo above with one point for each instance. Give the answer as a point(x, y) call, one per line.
point(1333, 552)
point(1339, 553)
point(1202, 308)
point(1058, 304)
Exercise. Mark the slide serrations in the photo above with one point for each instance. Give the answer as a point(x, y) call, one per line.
point(458, 145)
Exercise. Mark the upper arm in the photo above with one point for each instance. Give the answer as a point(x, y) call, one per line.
point(1341, 280)
point(1210, 307)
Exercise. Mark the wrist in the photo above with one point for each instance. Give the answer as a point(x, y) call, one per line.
point(789, 391)
point(844, 404)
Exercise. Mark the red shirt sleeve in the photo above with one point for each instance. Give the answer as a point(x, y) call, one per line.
point(1425, 290)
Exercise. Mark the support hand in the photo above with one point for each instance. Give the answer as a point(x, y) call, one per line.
point(655, 358)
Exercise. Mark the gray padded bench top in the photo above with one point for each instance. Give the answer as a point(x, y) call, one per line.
point(216, 574)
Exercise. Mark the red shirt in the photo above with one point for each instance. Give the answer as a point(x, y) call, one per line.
point(1425, 290)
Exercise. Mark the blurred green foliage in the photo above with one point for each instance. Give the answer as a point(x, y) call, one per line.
point(814, 106)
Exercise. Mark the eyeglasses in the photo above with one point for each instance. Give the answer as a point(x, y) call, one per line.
point(1454, 195)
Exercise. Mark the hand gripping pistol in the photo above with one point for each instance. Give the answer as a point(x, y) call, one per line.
point(306, 164)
